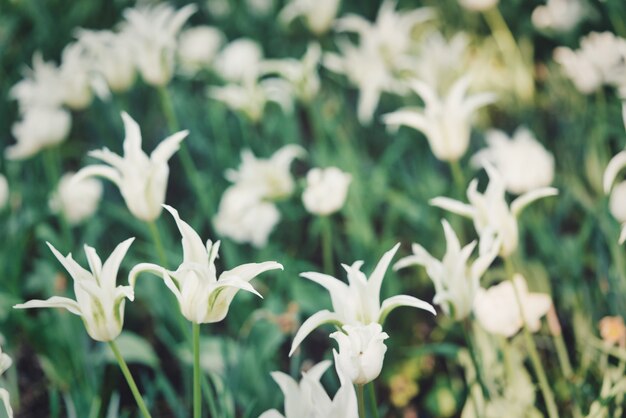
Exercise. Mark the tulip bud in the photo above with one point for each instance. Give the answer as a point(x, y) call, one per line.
point(361, 351)
point(326, 190)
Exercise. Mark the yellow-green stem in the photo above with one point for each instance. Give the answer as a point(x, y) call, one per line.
point(457, 177)
point(197, 399)
point(158, 244)
point(474, 357)
point(360, 400)
point(542, 378)
point(129, 380)
point(327, 244)
point(373, 403)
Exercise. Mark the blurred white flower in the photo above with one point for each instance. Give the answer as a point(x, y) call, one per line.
point(111, 55)
point(445, 122)
point(326, 190)
point(267, 178)
point(239, 61)
point(41, 87)
point(4, 191)
point(202, 296)
point(617, 200)
point(251, 96)
point(198, 46)
point(308, 398)
point(301, 74)
point(5, 363)
point(600, 60)
point(498, 311)
point(491, 212)
point(317, 15)
point(478, 5)
point(142, 180)
point(356, 303)
point(99, 302)
point(361, 351)
point(219, 9)
point(40, 127)
point(440, 61)
point(153, 31)
point(456, 281)
point(260, 8)
point(75, 76)
point(559, 15)
point(76, 200)
point(522, 161)
point(243, 217)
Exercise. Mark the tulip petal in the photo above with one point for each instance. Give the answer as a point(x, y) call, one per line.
point(622, 234)
point(412, 118)
point(616, 165)
point(247, 272)
point(145, 268)
point(236, 283)
point(376, 278)
point(403, 300)
point(104, 171)
point(53, 302)
point(109, 157)
point(73, 268)
point(337, 289)
point(272, 413)
point(193, 249)
point(112, 264)
point(454, 206)
point(166, 148)
point(95, 264)
point(132, 138)
point(527, 198)
point(314, 321)
point(4, 397)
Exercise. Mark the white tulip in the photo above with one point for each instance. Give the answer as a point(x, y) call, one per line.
point(522, 161)
point(361, 351)
point(456, 281)
point(326, 190)
point(445, 122)
point(358, 302)
point(76, 77)
point(301, 74)
point(76, 200)
point(239, 61)
point(559, 15)
point(42, 86)
point(41, 127)
point(202, 296)
point(490, 210)
point(243, 217)
point(498, 311)
point(142, 180)
point(4, 192)
point(99, 302)
point(198, 46)
point(153, 31)
point(318, 15)
point(5, 363)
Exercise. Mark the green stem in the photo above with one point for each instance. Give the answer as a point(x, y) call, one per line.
point(474, 357)
point(52, 168)
point(373, 403)
point(197, 404)
point(129, 380)
point(158, 243)
point(544, 385)
point(360, 400)
point(185, 156)
point(327, 244)
point(457, 177)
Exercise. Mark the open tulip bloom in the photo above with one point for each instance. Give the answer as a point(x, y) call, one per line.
point(142, 180)
point(456, 282)
point(358, 302)
point(5, 363)
point(489, 210)
point(99, 302)
point(203, 297)
point(361, 351)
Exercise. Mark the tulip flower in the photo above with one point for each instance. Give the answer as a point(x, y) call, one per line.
point(326, 191)
point(308, 398)
point(99, 302)
point(356, 303)
point(445, 122)
point(616, 205)
point(498, 311)
point(142, 180)
point(198, 47)
point(202, 296)
point(318, 16)
point(456, 282)
point(40, 127)
point(76, 200)
point(239, 61)
point(5, 363)
point(490, 211)
point(4, 192)
point(361, 351)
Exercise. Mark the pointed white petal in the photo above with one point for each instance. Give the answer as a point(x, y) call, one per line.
point(247, 272)
point(237, 283)
point(412, 118)
point(95, 264)
point(616, 165)
point(164, 151)
point(527, 198)
point(453, 206)
point(403, 300)
point(104, 171)
point(314, 321)
point(376, 278)
point(53, 302)
point(622, 234)
point(193, 249)
point(112, 265)
point(145, 268)
point(4, 397)
point(73, 268)
point(132, 139)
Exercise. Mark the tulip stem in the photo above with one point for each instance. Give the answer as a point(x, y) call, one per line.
point(544, 385)
point(197, 405)
point(52, 167)
point(471, 347)
point(158, 244)
point(373, 403)
point(185, 156)
point(360, 400)
point(129, 380)
point(457, 176)
point(327, 244)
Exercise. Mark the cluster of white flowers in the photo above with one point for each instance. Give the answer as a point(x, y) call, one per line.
point(317, 15)
point(559, 15)
point(600, 60)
